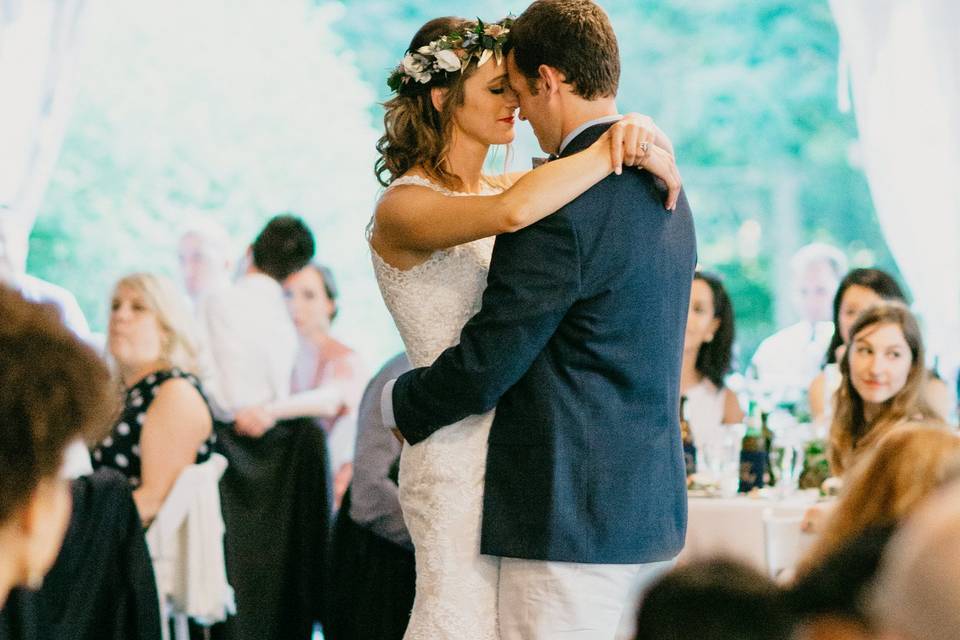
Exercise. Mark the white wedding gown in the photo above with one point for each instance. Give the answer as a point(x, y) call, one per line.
point(441, 478)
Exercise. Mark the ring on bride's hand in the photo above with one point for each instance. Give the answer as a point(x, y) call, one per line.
point(645, 148)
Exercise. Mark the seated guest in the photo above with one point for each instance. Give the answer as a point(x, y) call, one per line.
point(860, 289)
point(53, 391)
point(790, 358)
point(883, 383)
point(883, 489)
point(707, 351)
point(166, 423)
point(713, 600)
point(373, 570)
point(328, 378)
point(252, 341)
point(918, 588)
point(205, 259)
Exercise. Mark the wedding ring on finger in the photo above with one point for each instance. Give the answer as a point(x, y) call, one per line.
point(645, 149)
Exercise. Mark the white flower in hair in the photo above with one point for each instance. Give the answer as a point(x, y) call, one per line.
point(452, 52)
point(414, 67)
point(448, 60)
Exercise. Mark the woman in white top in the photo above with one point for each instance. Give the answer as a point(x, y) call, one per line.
point(707, 352)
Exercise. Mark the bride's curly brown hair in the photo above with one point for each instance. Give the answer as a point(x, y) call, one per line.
point(416, 134)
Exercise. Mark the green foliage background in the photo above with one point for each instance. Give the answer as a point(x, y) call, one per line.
point(747, 92)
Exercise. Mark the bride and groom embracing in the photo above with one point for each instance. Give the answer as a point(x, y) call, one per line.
point(542, 477)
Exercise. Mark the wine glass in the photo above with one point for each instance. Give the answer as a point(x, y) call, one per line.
point(789, 443)
point(720, 457)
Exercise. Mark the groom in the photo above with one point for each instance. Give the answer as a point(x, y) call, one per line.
point(578, 346)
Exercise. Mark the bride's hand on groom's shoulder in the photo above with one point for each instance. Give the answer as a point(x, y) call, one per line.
point(636, 141)
point(663, 166)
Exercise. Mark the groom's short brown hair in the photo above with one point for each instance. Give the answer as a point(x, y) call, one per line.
point(573, 36)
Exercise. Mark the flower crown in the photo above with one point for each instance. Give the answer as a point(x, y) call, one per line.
point(453, 52)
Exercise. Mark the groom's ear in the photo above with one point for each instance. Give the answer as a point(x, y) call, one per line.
point(437, 96)
point(550, 78)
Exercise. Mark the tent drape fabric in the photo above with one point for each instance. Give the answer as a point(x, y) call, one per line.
point(903, 60)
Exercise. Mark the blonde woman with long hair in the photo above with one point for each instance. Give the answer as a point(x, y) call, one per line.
point(166, 423)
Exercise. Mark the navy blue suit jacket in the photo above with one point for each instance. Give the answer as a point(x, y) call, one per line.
point(578, 346)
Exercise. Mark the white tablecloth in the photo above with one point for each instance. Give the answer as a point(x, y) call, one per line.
point(736, 527)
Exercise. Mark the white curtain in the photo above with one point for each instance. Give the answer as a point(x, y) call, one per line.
point(38, 46)
point(903, 60)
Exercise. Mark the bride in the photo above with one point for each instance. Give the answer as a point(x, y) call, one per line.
point(431, 237)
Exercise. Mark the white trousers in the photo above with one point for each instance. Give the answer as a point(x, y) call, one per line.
point(570, 601)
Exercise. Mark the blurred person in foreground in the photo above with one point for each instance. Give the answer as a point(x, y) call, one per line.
point(328, 377)
point(252, 341)
point(166, 424)
point(53, 390)
point(917, 594)
point(884, 489)
point(790, 358)
point(714, 599)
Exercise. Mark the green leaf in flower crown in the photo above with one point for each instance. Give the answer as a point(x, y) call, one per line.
point(394, 81)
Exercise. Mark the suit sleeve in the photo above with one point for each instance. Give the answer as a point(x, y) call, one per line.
point(534, 279)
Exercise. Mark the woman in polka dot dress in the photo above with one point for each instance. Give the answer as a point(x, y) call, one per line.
point(166, 423)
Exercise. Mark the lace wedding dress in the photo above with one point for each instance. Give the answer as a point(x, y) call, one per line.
point(441, 478)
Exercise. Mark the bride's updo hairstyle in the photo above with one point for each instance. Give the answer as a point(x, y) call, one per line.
point(415, 132)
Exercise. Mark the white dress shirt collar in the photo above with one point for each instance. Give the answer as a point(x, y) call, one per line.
point(586, 125)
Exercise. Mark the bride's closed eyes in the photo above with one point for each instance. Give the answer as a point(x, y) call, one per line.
point(499, 86)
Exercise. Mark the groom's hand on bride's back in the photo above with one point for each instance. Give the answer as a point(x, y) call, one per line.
point(636, 141)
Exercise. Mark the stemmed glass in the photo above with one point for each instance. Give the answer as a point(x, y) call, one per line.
point(789, 443)
point(719, 455)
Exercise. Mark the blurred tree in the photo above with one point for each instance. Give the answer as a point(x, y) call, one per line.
point(243, 111)
point(235, 113)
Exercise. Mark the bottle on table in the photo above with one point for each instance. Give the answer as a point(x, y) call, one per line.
point(686, 436)
point(753, 452)
point(769, 479)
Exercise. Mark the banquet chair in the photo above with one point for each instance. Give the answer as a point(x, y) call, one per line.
point(186, 550)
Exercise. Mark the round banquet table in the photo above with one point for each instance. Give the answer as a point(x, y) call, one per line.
point(762, 531)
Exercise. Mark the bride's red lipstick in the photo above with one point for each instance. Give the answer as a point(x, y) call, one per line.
point(508, 120)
